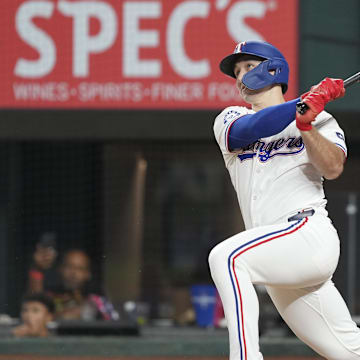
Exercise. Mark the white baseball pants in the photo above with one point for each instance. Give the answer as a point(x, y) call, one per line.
point(295, 261)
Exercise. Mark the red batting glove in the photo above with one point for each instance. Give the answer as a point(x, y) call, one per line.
point(316, 99)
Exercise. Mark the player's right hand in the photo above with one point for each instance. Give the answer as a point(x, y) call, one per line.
point(319, 95)
point(328, 89)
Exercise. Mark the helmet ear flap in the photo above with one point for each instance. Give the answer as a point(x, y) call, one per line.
point(262, 76)
point(259, 77)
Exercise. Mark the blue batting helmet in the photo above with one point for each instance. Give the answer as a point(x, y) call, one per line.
point(260, 76)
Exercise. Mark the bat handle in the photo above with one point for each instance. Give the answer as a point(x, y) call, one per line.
point(302, 108)
point(352, 80)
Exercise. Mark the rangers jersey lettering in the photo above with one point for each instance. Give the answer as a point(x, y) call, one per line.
point(267, 150)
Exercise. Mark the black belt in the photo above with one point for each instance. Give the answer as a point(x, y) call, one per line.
point(302, 214)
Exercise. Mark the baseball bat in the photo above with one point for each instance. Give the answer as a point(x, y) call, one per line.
point(302, 108)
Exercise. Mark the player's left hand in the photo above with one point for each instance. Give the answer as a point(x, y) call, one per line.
point(319, 95)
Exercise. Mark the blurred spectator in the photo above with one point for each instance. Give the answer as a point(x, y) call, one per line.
point(73, 298)
point(37, 311)
point(42, 273)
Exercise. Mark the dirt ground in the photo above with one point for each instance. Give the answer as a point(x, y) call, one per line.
point(38, 357)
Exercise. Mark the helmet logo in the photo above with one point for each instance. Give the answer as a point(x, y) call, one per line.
point(239, 46)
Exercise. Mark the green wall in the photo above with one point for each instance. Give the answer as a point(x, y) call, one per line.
point(330, 46)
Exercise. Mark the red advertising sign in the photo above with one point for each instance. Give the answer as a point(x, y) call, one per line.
point(134, 54)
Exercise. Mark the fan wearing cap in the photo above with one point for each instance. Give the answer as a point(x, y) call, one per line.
point(277, 161)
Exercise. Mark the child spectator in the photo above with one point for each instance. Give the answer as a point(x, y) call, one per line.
point(37, 311)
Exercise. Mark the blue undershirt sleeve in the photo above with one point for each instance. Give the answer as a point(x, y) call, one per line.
point(264, 123)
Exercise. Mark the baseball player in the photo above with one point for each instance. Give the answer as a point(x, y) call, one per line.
point(277, 160)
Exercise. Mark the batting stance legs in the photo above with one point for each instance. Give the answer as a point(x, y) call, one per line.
point(296, 266)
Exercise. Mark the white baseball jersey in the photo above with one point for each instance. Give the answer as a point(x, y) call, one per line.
point(273, 177)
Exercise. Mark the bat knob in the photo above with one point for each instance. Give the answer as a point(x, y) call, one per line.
point(301, 108)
